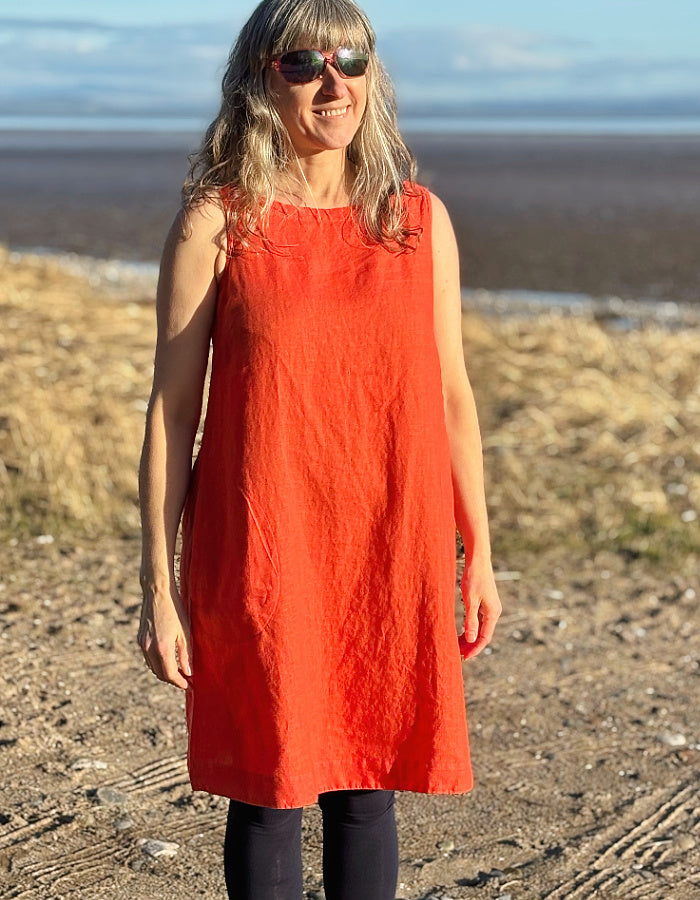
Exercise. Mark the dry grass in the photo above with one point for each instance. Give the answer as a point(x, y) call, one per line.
point(75, 370)
point(590, 435)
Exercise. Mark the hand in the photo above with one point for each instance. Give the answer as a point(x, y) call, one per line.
point(164, 637)
point(482, 607)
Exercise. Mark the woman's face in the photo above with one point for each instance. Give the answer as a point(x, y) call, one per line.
point(323, 114)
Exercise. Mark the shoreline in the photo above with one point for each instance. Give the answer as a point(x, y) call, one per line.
point(136, 280)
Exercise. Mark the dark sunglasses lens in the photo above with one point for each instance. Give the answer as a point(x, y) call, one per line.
point(300, 66)
point(352, 63)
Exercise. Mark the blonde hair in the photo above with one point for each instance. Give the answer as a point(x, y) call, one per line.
point(247, 146)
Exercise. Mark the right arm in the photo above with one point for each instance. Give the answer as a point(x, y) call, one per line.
point(192, 259)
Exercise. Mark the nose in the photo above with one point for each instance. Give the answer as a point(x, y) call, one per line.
point(332, 82)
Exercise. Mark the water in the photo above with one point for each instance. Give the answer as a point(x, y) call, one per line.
point(101, 123)
point(623, 125)
point(616, 312)
point(650, 125)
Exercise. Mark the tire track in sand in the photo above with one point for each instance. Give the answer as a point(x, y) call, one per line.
point(641, 836)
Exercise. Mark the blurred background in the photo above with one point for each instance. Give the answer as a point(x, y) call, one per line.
point(605, 65)
point(562, 137)
point(564, 140)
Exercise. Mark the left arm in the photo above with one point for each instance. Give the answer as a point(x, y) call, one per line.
point(481, 602)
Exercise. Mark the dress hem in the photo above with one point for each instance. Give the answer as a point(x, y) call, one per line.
point(309, 797)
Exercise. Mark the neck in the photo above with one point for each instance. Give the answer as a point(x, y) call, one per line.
point(321, 179)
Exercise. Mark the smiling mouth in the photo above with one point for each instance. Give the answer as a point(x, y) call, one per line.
point(331, 113)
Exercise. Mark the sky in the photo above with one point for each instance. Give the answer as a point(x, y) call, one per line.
point(168, 56)
point(647, 26)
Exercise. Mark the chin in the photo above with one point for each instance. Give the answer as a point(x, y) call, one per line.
point(336, 142)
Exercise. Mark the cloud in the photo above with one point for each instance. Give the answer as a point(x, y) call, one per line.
point(485, 63)
point(83, 67)
point(438, 54)
point(87, 68)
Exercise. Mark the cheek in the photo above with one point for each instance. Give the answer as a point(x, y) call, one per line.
point(288, 112)
point(362, 98)
point(283, 99)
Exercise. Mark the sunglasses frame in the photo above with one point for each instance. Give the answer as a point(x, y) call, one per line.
point(328, 58)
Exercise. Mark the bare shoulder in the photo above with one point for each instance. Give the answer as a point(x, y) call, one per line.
point(442, 224)
point(207, 213)
point(194, 255)
point(447, 303)
point(444, 240)
point(198, 235)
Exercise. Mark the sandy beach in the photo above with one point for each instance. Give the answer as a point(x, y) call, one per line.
point(583, 713)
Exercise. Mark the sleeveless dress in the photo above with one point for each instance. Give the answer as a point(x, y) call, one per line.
point(318, 564)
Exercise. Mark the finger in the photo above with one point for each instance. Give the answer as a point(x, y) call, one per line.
point(153, 661)
point(172, 675)
point(470, 648)
point(161, 658)
point(471, 623)
point(183, 653)
point(464, 647)
point(474, 649)
point(488, 626)
point(146, 647)
point(166, 670)
point(168, 664)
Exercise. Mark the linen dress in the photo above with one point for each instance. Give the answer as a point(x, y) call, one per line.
point(318, 563)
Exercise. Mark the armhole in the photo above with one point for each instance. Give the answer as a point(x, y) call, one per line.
point(427, 214)
point(419, 208)
point(427, 239)
point(424, 205)
point(224, 194)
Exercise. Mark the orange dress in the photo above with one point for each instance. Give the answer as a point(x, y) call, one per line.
point(318, 561)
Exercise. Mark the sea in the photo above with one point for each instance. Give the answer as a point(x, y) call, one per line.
point(581, 125)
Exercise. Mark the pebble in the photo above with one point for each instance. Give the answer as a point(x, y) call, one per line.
point(445, 845)
point(124, 822)
point(84, 763)
point(156, 849)
point(684, 842)
point(107, 796)
point(673, 739)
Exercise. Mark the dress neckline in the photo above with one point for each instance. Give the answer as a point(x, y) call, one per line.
point(326, 209)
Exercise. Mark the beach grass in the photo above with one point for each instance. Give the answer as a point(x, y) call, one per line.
point(590, 434)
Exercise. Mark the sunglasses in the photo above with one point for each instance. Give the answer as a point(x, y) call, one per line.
point(303, 66)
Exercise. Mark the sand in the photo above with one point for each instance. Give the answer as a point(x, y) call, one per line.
point(584, 724)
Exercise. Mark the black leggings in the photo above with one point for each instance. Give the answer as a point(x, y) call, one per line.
point(262, 848)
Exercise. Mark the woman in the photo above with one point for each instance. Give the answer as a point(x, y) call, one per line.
point(313, 628)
